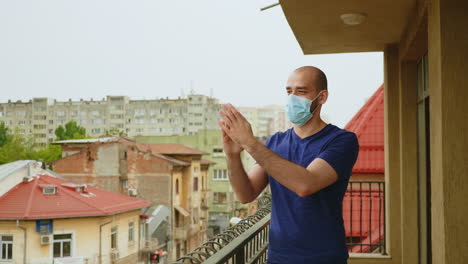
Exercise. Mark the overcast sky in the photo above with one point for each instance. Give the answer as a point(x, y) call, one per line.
point(151, 48)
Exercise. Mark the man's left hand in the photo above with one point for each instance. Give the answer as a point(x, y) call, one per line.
point(236, 126)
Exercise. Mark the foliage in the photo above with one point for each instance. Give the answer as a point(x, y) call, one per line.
point(15, 146)
point(114, 132)
point(3, 133)
point(71, 131)
point(20, 147)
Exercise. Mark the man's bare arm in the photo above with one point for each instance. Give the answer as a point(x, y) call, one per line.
point(247, 186)
point(302, 181)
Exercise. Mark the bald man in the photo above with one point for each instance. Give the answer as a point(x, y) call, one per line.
point(308, 169)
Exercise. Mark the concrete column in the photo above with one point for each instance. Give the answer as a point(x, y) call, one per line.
point(448, 71)
point(408, 162)
point(392, 151)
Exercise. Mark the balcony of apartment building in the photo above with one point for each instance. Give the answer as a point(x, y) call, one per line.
point(417, 212)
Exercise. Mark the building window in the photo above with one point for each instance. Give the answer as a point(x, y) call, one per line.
point(195, 184)
point(62, 245)
point(6, 247)
point(140, 121)
point(49, 190)
point(219, 197)
point(114, 237)
point(131, 232)
point(177, 186)
point(220, 175)
point(139, 112)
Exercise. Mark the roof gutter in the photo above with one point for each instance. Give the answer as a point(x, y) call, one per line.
point(25, 239)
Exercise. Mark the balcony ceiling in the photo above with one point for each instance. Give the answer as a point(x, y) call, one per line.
point(319, 29)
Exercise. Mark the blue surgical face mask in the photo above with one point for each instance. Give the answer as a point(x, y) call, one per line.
point(298, 109)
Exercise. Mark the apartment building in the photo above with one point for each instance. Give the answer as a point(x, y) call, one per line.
point(267, 120)
point(173, 176)
point(183, 116)
point(222, 203)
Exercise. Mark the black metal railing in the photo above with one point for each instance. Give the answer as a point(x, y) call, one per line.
point(364, 217)
point(246, 242)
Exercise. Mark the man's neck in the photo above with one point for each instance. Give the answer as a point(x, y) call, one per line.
point(311, 127)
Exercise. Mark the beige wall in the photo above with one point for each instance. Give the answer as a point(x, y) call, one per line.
point(448, 75)
point(439, 27)
point(85, 233)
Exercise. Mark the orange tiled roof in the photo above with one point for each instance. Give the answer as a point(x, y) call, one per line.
point(26, 200)
point(368, 124)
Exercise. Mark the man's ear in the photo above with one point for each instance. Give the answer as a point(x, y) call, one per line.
point(323, 97)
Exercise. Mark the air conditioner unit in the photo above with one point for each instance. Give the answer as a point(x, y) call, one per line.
point(114, 255)
point(46, 239)
point(132, 192)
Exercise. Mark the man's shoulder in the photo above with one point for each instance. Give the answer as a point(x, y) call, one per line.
point(279, 135)
point(337, 132)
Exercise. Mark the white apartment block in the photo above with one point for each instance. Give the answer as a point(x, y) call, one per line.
point(41, 116)
point(266, 120)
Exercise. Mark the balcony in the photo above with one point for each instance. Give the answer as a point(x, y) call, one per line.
point(247, 242)
point(204, 204)
point(182, 233)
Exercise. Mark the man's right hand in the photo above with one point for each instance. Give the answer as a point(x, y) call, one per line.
point(230, 147)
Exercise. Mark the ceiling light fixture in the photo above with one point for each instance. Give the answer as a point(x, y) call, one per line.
point(353, 19)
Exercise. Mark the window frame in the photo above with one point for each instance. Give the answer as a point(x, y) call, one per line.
point(8, 244)
point(114, 231)
point(71, 240)
point(131, 234)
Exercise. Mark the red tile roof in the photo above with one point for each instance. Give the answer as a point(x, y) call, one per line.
point(171, 149)
point(207, 162)
point(368, 124)
point(27, 201)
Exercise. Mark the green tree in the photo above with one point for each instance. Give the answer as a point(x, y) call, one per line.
point(3, 133)
point(114, 132)
point(20, 147)
point(71, 131)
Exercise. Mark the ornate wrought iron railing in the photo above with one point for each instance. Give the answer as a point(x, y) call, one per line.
point(246, 242)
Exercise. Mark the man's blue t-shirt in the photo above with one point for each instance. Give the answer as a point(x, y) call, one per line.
point(310, 229)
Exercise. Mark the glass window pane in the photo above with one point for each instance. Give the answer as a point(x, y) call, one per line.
point(3, 251)
point(114, 240)
point(62, 236)
point(7, 238)
point(10, 251)
point(66, 249)
point(57, 250)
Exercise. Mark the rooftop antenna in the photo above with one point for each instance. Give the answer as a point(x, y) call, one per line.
point(192, 91)
point(182, 93)
point(269, 6)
